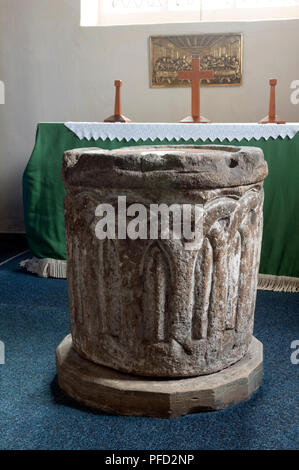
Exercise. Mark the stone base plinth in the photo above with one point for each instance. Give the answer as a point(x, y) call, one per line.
point(118, 393)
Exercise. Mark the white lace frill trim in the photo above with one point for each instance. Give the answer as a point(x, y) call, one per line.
point(162, 131)
point(46, 267)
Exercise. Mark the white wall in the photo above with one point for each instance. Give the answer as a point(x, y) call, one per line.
point(54, 70)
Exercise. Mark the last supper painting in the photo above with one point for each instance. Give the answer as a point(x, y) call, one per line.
point(221, 53)
point(149, 228)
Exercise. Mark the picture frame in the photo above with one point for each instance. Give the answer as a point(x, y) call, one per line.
point(221, 53)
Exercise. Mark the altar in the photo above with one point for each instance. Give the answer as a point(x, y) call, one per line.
point(44, 192)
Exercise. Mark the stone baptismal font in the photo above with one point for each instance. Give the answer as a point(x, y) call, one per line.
point(162, 323)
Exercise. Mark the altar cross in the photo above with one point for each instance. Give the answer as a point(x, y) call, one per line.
point(196, 75)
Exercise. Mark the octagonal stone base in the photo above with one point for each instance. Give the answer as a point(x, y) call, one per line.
point(118, 393)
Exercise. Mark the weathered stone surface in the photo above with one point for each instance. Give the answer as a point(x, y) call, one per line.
point(189, 167)
point(151, 307)
point(114, 392)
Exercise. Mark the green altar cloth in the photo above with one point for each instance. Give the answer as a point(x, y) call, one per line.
point(43, 192)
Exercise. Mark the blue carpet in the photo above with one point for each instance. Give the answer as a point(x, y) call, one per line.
point(35, 414)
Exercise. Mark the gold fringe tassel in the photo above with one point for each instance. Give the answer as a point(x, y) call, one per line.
point(278, 283)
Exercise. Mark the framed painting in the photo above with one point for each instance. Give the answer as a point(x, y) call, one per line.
point(221, 53)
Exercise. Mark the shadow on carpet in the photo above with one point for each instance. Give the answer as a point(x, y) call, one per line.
point(36, 414)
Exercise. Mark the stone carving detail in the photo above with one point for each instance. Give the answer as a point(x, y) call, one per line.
point(156, 287)
point(109, 282)
point(154, 308)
